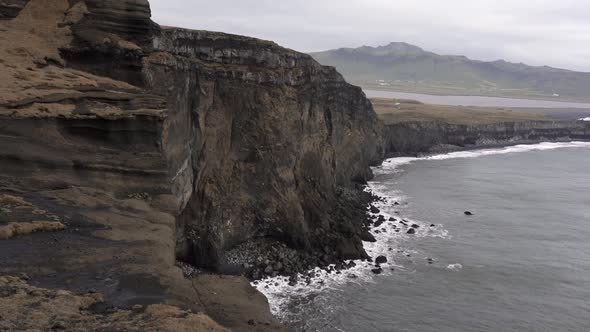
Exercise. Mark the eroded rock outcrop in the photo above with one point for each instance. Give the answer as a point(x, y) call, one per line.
point(411, 138)
point(152, 144)
point(271, 140)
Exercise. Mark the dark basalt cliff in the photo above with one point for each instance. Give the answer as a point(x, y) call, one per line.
point(152, 144)
point(412, 138)
point(264, 144)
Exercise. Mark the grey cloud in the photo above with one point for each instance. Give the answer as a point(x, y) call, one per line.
point(537, 32)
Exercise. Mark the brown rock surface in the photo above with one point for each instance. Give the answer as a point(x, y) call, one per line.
point(27, 308)
point(151, 144)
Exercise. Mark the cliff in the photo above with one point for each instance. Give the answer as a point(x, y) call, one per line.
point(152, 145)
point(419, 137)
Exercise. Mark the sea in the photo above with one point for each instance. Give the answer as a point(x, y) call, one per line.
point(520, 262)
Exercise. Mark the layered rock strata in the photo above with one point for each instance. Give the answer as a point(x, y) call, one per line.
point(152, 145)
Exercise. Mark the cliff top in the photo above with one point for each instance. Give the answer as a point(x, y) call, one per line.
point(395, 111)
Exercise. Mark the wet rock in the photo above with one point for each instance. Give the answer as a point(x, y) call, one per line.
point(368, 237)
point(432, 225)
point(374, 209)
point(392, 219)
point(381, 259)
point(468, 213)
point(268, 269)
point(415, 226)
point(411, 231)
point(377, 270)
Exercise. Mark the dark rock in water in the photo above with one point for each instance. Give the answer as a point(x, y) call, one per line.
point(415, 226)
point(468, 213)
point(381, 260)
point(432, 225)
point(374, 209)
point(411, 231)
point(352, 276)
point(377, 231)
point(392, 219)
point(377, 270)
point(368, 237)
point(251, 322)
point(378, 223)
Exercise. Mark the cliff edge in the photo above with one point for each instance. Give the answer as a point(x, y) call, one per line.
point(151, 146)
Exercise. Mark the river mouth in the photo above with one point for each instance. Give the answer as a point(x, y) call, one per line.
point(517, 263)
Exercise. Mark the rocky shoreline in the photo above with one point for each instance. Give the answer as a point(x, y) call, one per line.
point(159, 166)
point(428, 137)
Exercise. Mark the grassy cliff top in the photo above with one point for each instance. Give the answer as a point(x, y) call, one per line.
point(400, 110)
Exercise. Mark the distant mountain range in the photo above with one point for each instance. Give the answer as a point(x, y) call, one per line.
point(401, 66)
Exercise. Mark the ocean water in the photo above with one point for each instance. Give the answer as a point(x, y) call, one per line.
point(520, 263)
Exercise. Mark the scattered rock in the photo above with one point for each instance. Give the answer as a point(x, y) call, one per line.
point(368, 237)
point(415, 226)
point(377, 270)
point(374, 209)
point(268, 269)
point(468, 213)
point(381, 260)
point(411, 231)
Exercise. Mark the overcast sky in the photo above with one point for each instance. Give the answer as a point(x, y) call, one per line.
point(536, 32)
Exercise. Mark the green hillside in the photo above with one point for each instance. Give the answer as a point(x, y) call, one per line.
point(401, 66)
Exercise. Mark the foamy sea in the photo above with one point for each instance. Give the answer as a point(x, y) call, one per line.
point(284, 298)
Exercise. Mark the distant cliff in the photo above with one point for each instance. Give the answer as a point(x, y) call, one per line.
point(423, 137)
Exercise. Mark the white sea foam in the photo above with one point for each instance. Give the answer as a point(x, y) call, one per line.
point(584, 119)
point(391, 165)
point(280, 295)
point(454, 267)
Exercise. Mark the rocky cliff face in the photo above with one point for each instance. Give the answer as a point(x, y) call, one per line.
point(150, 144)
point(411, 138)
point(271, 141)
